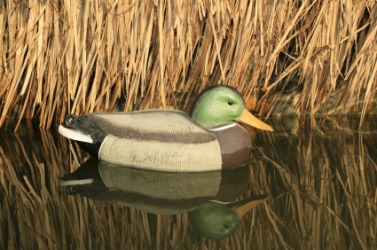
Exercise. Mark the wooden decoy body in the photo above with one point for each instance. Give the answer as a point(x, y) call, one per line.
point(167, 140)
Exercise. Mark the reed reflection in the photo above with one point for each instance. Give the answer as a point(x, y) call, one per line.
point(323, 182)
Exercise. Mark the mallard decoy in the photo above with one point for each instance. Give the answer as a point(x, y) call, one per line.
point(208, 139)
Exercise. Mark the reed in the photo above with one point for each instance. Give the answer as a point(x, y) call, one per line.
point(317, 57)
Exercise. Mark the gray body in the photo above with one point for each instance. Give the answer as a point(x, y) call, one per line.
point(168, 140)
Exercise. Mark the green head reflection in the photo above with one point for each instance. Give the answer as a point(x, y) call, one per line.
point(216, 220)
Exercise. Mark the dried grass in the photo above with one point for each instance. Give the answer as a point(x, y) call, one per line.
point(81, 56)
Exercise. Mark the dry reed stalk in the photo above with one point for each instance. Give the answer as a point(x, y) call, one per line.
point(77, 57)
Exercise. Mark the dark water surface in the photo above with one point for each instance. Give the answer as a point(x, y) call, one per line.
point(305, 188)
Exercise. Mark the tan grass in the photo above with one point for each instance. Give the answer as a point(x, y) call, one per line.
point(77, 57)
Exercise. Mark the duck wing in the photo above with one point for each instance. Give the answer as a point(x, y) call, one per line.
point(154, 125)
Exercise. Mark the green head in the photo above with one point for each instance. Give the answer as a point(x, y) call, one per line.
point(221, 105)
point(217, 106)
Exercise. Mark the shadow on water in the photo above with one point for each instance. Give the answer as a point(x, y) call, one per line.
point(322, 183)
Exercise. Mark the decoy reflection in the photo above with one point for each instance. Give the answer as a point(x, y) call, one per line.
point(208, 197)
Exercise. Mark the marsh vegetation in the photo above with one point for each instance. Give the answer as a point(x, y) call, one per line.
point(287, 57)
point(302, 59)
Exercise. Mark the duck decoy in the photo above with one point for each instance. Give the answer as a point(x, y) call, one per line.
point(209, 138)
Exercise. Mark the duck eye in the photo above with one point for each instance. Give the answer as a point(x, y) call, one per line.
point(230, 103)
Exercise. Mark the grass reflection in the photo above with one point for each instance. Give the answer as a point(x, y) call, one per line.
point(324, 183)
point(322, 180)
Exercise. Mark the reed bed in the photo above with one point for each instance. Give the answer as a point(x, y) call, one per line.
point(317, 57)
point(323, 184)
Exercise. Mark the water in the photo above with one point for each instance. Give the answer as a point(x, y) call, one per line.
point(305, 188)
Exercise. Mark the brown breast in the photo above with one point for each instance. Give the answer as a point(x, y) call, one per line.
point(235, 146)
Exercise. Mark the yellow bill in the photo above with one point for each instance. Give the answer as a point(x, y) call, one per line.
point(248, 118)
point(247, 205)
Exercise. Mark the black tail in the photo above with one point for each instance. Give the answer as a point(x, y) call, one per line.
point(83, 124)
